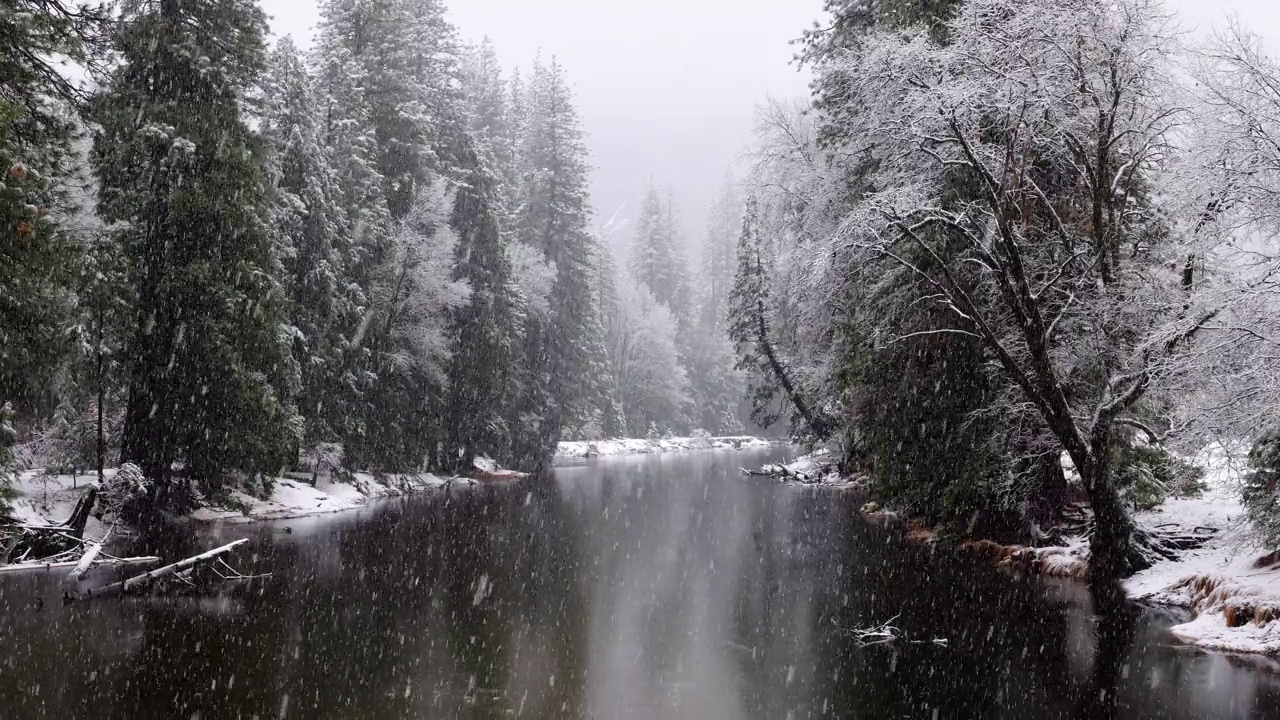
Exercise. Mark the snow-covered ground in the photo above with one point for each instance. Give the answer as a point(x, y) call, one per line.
point(49, 500)
point(641, 446)
point(294, 499)
point(45, 500)
point(1220, 583)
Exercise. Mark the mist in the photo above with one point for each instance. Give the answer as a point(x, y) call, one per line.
point(665, 88)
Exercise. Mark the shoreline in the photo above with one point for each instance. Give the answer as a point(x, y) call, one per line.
point(41, 501)
point(619, 447)
point(1230, 585)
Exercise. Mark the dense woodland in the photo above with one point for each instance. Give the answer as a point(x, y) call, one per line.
point(999, 234)
point(225, 258)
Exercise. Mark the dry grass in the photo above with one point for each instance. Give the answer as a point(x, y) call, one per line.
point(1239, 604)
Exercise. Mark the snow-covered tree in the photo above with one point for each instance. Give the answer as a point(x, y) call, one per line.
point(657, 260)
point(183, 183)
point(652, 384)
point(406, 327)
point(718, 258)
point(40, 256)
point(564, 358)
point(314, 238)
point(1029, 160)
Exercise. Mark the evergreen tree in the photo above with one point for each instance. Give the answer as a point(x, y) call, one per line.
point(314, 240)
point(773, 389)
point(39, 259)
point(182, 177)
point(612, 417)
point(564, 356)
point(657, 253)
point(484, 331)
point(724, 222)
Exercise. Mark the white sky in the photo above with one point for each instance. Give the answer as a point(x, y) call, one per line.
point(667, 87)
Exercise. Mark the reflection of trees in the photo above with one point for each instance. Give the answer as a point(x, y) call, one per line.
point(820, 572)
point(644, 588)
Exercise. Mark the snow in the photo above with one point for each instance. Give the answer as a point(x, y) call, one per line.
point(1220, 579)
point(294, 499)
point(641, 446)
point(47, 500)
point(819, 468)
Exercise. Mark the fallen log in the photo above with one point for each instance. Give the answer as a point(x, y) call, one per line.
point(86, 561)
point(147, 578)
point(62, 565)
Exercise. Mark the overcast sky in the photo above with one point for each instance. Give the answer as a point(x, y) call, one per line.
point(667, 87)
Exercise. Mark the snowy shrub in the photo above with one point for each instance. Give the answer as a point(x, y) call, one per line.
point(324, 458)
point(120, 495)
point(1261, 486)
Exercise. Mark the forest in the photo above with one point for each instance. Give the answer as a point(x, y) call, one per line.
point(225, 257)
point(1008, 250)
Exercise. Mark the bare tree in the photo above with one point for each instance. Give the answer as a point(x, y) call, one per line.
point(1014, 169)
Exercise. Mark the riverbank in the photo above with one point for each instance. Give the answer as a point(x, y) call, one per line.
point(580, 450)
point(1230, 584)
point(48, 500)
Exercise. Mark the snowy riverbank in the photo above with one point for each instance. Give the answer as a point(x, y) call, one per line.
point(1230, 585)
point(47, 500)
point(642, 446)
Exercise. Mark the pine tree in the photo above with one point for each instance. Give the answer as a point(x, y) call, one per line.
point(183, 177)
point(564, 356)
point(750, 327)
point(390, 85)
point(484, 331)
point(657, 253)
point(314, 236)
point(612, 417)
point(40, 260)
point(724, 222)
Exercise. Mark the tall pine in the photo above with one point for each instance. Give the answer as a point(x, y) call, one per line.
point(182, 178)
point(315, 242)
point(564, 355)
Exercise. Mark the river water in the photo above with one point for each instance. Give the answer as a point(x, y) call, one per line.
point(653, 587)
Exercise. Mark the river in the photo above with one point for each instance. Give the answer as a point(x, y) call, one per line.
point(651, 587)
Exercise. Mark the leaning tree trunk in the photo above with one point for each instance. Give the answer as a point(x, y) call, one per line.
point(1114, 547)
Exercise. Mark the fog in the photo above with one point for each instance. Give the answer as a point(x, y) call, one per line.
point(665, 87)
point(668, 87)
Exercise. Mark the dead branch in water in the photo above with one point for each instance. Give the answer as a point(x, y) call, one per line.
point(180, 571)
point(887, 632)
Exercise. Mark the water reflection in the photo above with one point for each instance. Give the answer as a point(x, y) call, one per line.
point(644, 588)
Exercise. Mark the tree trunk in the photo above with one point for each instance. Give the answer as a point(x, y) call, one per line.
point(1113, 550)
point(102, 435)
point(1049, 501)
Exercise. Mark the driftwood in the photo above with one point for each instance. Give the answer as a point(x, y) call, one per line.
point(140, 581)
point(86, 561)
